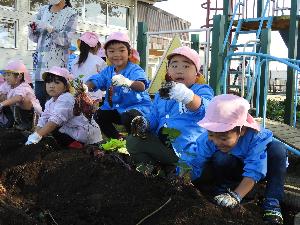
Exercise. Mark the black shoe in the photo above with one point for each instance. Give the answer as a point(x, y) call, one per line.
point(272, 217)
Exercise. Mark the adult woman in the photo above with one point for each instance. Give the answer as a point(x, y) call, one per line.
point(52, 30)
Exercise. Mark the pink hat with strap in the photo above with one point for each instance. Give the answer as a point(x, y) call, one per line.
point(117, 36)
point(19, 67)
point(90, 38)
point(189, 53)
point(58, 71)
point(226, 112)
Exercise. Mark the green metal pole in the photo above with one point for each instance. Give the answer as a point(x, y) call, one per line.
point(292, 52)
point(265, 42)
point(217, 58)
point(260, 6)
point(195, 42)
point(142, 43)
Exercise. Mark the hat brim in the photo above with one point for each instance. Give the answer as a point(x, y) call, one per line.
point(106, 43)
point(216, 127)
point(224, 127)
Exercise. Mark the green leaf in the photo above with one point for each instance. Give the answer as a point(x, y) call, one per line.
point(113, 145)
point(172, 133)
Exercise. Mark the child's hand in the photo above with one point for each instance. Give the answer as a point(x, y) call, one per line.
point(139, 127)
point(33, 138)
point(181, 93)
point(120, 80)
point(229, 199)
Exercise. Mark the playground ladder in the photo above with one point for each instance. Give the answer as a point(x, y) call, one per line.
point(250, 43)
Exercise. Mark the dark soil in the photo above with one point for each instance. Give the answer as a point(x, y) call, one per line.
point(49, 185)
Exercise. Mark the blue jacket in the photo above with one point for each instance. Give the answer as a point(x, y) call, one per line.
point(123, 98)
point(251, 149)
point(172, 114)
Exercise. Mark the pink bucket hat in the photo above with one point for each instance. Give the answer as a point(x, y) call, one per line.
point(189, 53)
point(90, 38)
point(58, 71)
point(19, 67)
point(117, 36)
point(226, 112)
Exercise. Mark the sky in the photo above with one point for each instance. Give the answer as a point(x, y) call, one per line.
point(191, 11)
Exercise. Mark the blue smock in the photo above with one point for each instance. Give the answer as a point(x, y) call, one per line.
point(123, 98)
point(250, 148)
point(172, 114)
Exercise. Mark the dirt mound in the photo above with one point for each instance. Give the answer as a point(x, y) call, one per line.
point(43, 184)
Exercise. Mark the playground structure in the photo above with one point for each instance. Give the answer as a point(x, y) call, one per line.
point(228, 23)
point(226, 48)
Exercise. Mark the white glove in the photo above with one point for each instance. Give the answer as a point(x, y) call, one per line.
point(45, 26)
point(33, 138)
point(120, 80)
point(181, 93)
point(230, 199)
point(1, 106)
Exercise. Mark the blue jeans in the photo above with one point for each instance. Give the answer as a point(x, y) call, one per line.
point(40, 92)
point(228, 170)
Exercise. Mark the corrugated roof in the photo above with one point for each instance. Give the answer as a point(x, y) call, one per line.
point(152, 1)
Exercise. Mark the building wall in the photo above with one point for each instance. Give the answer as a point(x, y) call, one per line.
point(160, 20)
point(15, 15)
point(14, 42)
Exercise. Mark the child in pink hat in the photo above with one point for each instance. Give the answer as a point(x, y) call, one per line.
point(179, 105)
point(58, 117)
point(240, 154)
point(88, 62)
point(18, 103)
point(125, 84)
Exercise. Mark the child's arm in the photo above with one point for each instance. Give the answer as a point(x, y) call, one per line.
point(245, 186)
point(195, 103)
point(40, 132)
point(11, 101)
point(138, 86)
point(120, 80)
point(90, 85)
point(48, 128)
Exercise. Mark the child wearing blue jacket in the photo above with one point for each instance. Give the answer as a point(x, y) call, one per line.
point(180, 108)
point(125, 84)
point(240, 154)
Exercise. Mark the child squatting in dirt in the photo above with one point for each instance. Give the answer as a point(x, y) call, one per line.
point(18, 101)
point(58, 117)
point(180, 104)
point(239, 154)
point(125, 84)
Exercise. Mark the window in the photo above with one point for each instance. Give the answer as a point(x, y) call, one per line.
point(35, 5)
point(117, 16)
point(31, 46)
point(8, 3)
point(95, 11)
point(7, 34)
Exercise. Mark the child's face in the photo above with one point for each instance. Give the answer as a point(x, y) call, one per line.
point(182, 70)
point(118, 54)
point(55, 88)
point(13, 78)
point(225, 141)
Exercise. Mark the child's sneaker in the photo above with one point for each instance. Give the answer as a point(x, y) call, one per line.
point(272, 217)
point(272, 214)
point(76, 145)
